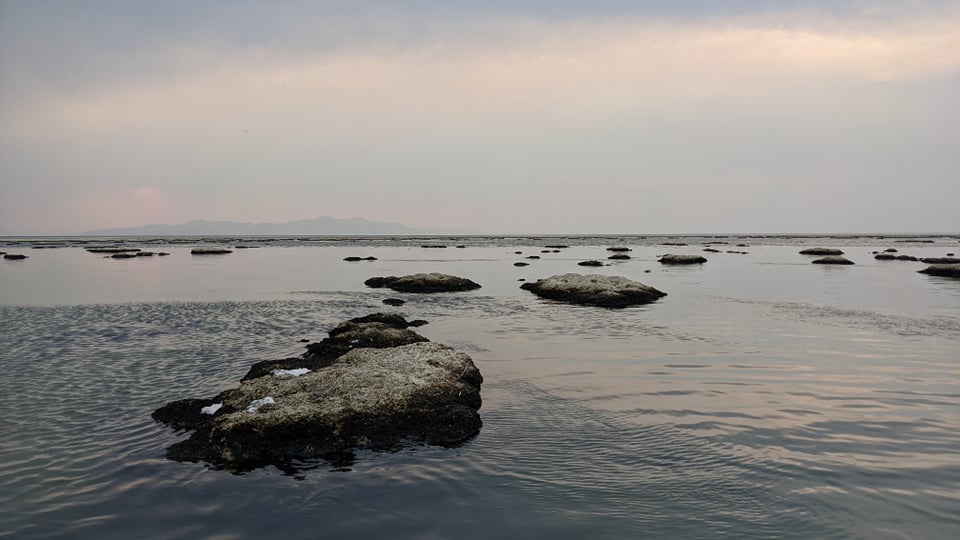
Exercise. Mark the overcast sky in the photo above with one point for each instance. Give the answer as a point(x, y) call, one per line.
point(552, 116)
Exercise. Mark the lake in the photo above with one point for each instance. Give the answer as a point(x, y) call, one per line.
point(765, 396)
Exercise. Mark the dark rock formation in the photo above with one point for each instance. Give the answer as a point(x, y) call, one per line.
point(945, 270)
point(354, 259)
point(394, 301)
point(423, 283)
point(210, 251)
point(890, 250)
point(673, 244)
point(589, 263)
point(557, 246)
point(833, 260)
point(619, 257)
point(594, 290)
point(940, 260)
point(14, 257)
point(821, 251)
point(521, 264)
point(711, 250)
point(619, 248)
point(360, 398)
point(124, 255)
point(682, 259)
point(433, 246)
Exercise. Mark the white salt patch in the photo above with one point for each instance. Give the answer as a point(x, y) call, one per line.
point(257, 403)
point(284, 373)
point(211, 409)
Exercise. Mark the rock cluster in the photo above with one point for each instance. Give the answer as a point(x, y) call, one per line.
point(373, 384)
point(594, 290)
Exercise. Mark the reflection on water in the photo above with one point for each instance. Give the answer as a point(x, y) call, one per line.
point(761, 398)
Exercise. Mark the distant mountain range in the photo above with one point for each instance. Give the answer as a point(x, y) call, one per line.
point(321, 226)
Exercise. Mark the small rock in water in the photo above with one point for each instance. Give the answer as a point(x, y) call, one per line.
point(943, 270)
point(619, 248)
point(619, 257)
point(821, 251)
point(940, 260)
point(14, 257)
point(670, 258)
point(210, 251)
point(833, 260)
point(521, 264)
point(423, 283)
point(594, 290)
point(533, 257)
point(394, 301)
point(589, 263)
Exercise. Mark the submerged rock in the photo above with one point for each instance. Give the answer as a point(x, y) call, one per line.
point(940, 260)
point(521, 264)
point(619, 257)
point(670, 258)
point(210, 251)
point(833, 260)
point(394, 301)
point(362, 398)
point(112, 250)
point(423, 283)
point(14, 256)
point(619, 248)
point(821, 251)
point(945, 270)
point(594, 290)
point(354, 259)
point(589, 263)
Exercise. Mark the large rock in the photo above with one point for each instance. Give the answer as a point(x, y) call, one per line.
point(682, 259)
point(423, 283)
point(945, 270)
point(821, 251)
point(833, 260)
point(594, 290)
point(365, 398)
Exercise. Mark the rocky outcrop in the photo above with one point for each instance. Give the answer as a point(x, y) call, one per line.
point(945, 270)
point(423, 283)
point(594, 290)
point(833, 260)
point(362, 398)
point(821, 251)
point(682, 259)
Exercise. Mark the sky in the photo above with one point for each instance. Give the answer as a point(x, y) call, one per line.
point(551, 116)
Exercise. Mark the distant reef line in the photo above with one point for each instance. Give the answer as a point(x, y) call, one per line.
point(321, 226)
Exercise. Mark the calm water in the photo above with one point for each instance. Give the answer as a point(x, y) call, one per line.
point(764, 397)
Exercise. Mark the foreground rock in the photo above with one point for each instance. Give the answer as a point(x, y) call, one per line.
point(945, 270)
point(594, 290)
point(423, 283)
point(833, 260)
point(363, 398)
point(821, 251)
point(682, 259)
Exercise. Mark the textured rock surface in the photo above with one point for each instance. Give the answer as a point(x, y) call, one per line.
point(423, 283)
point(945, 270)
point(682, 259)
point(376, 398)
point(594, 290)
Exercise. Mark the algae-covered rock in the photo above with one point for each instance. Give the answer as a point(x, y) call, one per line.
point(594, 290)
point(423, 283)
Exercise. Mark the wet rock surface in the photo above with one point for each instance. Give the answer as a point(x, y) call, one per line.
point(833, 260)
point(943, 270)
point(821, 251)
point(423, 283)
point(594, 290)
point(372, 384)
point(682, 259)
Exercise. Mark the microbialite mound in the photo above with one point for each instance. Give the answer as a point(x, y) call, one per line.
point(373, 384)
point(594, 290)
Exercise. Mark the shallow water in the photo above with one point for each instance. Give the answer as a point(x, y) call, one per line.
point(764, 397)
